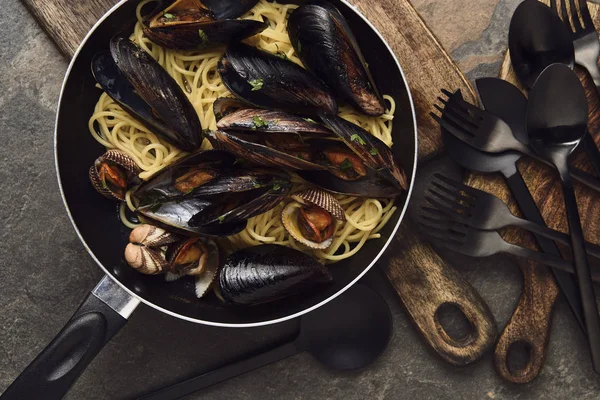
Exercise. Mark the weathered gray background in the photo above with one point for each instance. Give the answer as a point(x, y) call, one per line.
point(45, 272)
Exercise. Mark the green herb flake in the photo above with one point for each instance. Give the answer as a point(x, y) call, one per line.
point(276, 186)
point(169, 16)
point(203, 36)
point(300, 156)
point(367, 64)
point(356, 138)
point(221, 219)
point(256, 185)
point(256, 84)
point(259, 122)
point(282, 55)
point(346, 164)
point(299, 46)
point(374, 152)
point(312, 121)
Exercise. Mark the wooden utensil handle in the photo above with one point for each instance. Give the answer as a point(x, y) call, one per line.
point(529, 324)
point(425, 283)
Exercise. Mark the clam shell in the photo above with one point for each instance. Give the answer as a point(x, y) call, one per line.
point(120, 158)
point(205, 280)
point(152, 236)
point(145, 259)
point(123, 159)
point(99, 187)
point(322, 199)
point(288, 218)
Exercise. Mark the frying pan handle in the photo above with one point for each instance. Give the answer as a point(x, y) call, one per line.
point(102, 314)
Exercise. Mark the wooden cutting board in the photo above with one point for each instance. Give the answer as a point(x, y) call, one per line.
point(415, 270)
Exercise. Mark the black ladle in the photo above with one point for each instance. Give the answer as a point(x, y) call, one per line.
point(538, 38)
point(557, 118)
point(347, 333)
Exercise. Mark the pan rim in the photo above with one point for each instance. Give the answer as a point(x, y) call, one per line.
point(252, 324)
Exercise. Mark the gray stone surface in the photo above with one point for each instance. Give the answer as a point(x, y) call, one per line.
point(45, 272)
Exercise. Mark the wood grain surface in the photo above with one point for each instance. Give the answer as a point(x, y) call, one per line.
point(428, 68)
point(531, 320)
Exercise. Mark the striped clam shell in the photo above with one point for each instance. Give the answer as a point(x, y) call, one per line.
point(289, 220)
point(322, 199)
point(144, 259)
point(118, 157)
point(152, 236)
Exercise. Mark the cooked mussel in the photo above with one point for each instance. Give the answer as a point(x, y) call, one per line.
point(267, 81)
point(373, 152)
point(310, 218)
point(269, 272)
point(226, 105)
point(199, 25)
point(113, 173)
point(324, 42)
point(281, 150)
point(185, 177)
point(138, 83)
point(193, 256)
point(252, 119)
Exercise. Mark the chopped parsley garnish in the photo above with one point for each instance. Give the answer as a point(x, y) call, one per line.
point(356, 138)
point(276, 186)
point(256, 185)
point(169, 16)
point(299, 46)
point(367, 64)
point(259, 122)
point(374, 152)
point(346, 164)
point(256, 84)
point(312, 121)
point(221, 219)
point(282, 55)
point(203, 36)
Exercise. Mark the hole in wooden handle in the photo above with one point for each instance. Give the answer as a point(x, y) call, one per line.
point(519, 358)
point(454, 324)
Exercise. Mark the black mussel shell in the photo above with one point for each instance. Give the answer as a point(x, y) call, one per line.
point(324, 42)
point(269, 272)
point(376, 154)
point(203, 35)
point(248, 147)
point(175, 215)
point(226, 9)
point(241, 206)
point(224, 106)
point(267, 81)
point(175, 182)
point(254, 119)
point(372, 185)
point(132, 78)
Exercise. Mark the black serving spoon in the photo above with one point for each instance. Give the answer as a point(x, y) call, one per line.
point(557, 118)
point(347, 333)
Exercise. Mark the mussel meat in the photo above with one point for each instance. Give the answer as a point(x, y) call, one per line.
point(324, 42)
point(269, 272)
point(138, 83)
point(113, 173)
point(146, 249)
point(226, 105)
point(185, 177)
point(267, 81)
point(200, 24)
point(310, 218)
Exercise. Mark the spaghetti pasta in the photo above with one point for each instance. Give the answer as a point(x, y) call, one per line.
point(197, 74)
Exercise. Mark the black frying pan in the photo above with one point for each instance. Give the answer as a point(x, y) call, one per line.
point(109, 305)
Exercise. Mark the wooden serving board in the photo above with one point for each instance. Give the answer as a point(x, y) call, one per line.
point(531, 320)
point(415, 269)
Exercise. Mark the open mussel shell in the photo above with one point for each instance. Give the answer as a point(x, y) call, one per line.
point(249, 147)
point(324, 42)
point(175, 215)
point(269, 272)
point(132, 78)
point(253, 119)
point(372, 185)
point(185, 177)
point(375, 153)
point(267, 81)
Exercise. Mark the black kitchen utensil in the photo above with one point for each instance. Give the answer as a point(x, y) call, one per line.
point(557, 117)
point(469, 241)
point(587, 50)
point(347, 333)
point(484, 211)
point(105, 237)
point(486, 132)
point(536, 39)
point(506, 164)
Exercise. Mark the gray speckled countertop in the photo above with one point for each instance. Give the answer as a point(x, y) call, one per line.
point(45, 272)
